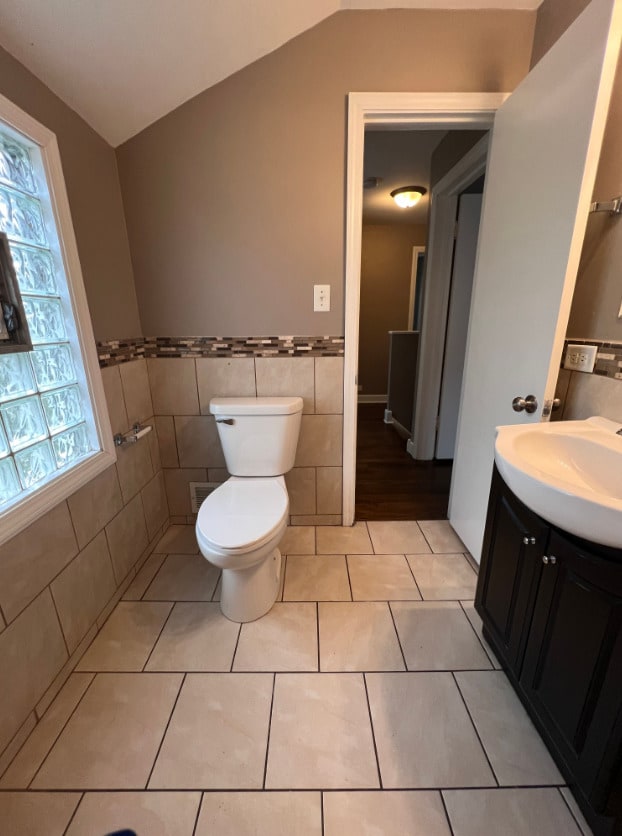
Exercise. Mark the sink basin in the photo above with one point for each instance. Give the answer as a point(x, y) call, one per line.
point(568, 472)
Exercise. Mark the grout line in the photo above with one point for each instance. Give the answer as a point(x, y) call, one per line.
point(168, 723)
point(205, 791)
point(479, 638)
point(196, 818)
point(315, 540)
point(322, 810)
point(415, 579)
point(285, 559)
point(494, 774)
point(60, 625)
point(571, 811)
point(399, 641)
point(220, 672)
point(157, 638)
point(451, 830)
point(73, 815)
point(373, 735)
point(317, 627)
point(235, 649)
point(65, 724)
point(349, 579)
point(265, 768)
point(425, 538)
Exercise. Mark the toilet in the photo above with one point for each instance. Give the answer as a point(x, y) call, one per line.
point(241, 523)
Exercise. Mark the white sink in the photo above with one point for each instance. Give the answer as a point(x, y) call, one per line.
point(568, 472)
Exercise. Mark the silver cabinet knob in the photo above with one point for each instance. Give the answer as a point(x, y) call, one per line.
point(528, 404)
point(529, 541)
point(546, 559)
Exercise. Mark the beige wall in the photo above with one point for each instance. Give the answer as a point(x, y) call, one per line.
point(235, 201)
point(60, 578)
point(386, 260)
point(90, 169)
point(598, 292)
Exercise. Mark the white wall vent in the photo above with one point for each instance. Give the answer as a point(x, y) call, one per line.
point(199, 491)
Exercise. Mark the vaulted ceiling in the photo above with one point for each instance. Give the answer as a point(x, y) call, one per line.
point(122, 64)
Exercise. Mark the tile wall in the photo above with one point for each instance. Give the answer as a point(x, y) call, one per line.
point(60, 577)
point(599, 393)
point(190, 451)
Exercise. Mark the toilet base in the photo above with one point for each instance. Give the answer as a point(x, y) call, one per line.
point(247, 594)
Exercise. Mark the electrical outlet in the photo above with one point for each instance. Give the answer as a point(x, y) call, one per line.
point(321, 297)
point(580, 358)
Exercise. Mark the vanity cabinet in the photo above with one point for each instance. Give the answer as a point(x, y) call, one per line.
point(551, 605)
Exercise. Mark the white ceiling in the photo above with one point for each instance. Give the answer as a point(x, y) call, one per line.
point(122, 64)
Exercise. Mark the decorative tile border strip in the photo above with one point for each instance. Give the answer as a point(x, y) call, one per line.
point(113, 352)
point(608, 357)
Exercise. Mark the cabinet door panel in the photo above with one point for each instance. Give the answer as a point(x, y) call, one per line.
point(572, 672)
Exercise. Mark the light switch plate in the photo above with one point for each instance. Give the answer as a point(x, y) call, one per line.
point(580, 358)
point(321, 297)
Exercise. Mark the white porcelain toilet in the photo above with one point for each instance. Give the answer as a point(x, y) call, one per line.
point(241, 523)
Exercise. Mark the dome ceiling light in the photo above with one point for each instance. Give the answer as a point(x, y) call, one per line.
point(408, 196)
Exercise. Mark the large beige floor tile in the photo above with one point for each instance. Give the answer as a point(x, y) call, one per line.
point(112, 739)
point(260, 814)
point(504, 812)
point(441, 536)
point(389, 813)
point(34, 751)
point(316, 578)
point(358, 637)
point(178, 539)
point(514, 747)
point(385, 577)
point(400, 537)
point(183, 577)
point(127, 638)
point(320, 734)
point(218, 733)
point(298, 539)
point(423, 733)
point(436, 636)
point(36, 814)
point(336, 539)
point(144, 576)
point(146, 813)
point(476, 622)
point(443, 577)
point(283, 640)
point(197, 637)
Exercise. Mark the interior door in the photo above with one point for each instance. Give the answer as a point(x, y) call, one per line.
point(469, 212)
point(544, 152)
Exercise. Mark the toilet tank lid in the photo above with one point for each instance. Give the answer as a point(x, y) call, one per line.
point(255, 406)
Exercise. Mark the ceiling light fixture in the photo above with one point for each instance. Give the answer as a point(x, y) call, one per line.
point(407, 196)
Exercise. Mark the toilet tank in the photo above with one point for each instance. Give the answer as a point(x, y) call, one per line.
point(258, 435)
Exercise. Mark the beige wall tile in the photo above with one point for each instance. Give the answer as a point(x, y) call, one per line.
point(167, 441)
point(154, 445)
point(136, 391)
point(217, 474)
point(281, 376)
point(155, 505)
point(94, 505)
point(104, 615)
point(320, 441)
point(65, 672)
point(329, 490)
point(173, 386)
point(111, 378)
point(29, 561)
point(134, 467)
point(315, 519)
point(329, 385)
point(127, 537)
point(592, 394)
point(198, 442)
point(83, 589)
point(301, 489)
point(225, 377)
point(32, 651)
point(177, 490)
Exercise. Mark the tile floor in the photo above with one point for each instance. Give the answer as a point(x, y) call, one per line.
point(366, 702)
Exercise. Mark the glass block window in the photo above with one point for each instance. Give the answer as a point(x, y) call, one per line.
point(46, 416)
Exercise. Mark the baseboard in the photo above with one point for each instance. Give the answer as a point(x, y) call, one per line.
point(372, 398)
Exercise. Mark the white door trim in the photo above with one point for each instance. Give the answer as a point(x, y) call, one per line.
point(437, 284)
point(417, 251)
point(436, 111)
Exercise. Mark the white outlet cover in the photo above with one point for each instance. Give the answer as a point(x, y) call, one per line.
point(580, 358)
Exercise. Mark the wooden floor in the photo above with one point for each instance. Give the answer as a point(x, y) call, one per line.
point(390, 485)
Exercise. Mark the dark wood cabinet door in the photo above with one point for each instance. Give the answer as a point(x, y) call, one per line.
point(572, 671)
point(514, 543)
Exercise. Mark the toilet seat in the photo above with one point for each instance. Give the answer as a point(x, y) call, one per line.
point(243, 514)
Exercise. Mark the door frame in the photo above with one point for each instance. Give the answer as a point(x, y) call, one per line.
point(437, 287)
point(431, 111)
point(414, 265)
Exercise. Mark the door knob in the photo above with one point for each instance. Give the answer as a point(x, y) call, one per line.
point(528, 404)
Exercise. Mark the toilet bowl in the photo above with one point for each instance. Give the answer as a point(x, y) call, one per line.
point(240, 524)
point(238, 529)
